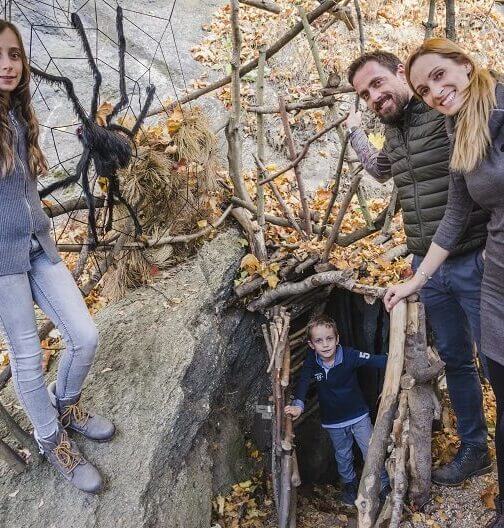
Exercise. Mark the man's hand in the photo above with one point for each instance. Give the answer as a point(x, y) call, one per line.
point(354, 118)
point(293, 410)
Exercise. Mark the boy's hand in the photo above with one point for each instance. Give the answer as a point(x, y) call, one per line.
point(293, 410)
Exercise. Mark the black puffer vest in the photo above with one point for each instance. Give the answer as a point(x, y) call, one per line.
point(419, 151)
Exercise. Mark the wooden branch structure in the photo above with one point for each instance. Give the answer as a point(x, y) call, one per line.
point(404, 422)
point(284, 472)
point(324, 7)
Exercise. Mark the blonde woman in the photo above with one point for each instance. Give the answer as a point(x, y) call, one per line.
point(449, 80)
point(32, 271)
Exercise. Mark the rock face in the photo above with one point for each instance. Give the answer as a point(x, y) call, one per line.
point(180, 376)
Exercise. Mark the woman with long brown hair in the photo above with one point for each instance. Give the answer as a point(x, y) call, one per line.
point(31, 271)
point(449, 80)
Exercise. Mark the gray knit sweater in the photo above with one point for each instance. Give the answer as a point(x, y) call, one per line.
point(21, 214)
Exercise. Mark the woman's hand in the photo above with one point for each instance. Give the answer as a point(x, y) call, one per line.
point(401, 291)
point(293, 410)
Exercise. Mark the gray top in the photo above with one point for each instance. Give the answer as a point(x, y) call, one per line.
point(483, 186)
point(21, 214)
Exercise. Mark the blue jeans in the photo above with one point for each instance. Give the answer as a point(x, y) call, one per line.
point(452, 305)
point(52, 288)
point(342, 441)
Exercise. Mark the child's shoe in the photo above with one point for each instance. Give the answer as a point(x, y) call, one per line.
point(349, 493)
point(73, 416)
point(65, 457)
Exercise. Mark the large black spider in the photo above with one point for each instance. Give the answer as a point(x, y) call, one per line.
point(109, 147)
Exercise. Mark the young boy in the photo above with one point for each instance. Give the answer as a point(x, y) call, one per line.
point(343, 410)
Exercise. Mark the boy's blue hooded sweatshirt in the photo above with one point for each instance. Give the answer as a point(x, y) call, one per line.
point(339, 394)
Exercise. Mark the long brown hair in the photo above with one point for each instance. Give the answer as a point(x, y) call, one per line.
point(20, 96)
point(472, 134)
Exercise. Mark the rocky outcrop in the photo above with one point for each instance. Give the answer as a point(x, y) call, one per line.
point(180, 376)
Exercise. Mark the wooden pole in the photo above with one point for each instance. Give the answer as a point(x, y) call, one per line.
point(233, 126)
point(313, 46)
point(260, 136)
point(341, 214)
point(368, 497)
point(451, 29)
point(430, 25)
point(299, 178)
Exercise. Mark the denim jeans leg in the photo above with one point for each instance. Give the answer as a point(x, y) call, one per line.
point(57, 295)
point(362, 432)
point(465, 275)
point(342, 441)
point(453, 340)
point(20, 329)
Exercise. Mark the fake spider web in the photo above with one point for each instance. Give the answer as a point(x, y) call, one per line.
point(53, 46)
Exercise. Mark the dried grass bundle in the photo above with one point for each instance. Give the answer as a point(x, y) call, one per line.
point(168, 183)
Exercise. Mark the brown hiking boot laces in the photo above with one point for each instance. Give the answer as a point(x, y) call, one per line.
point(66, 457)
point(75, 411)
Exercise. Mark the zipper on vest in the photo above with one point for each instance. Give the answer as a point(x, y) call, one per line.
point(405, 138)
point(15, 123)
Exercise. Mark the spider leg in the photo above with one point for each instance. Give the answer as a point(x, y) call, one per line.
point(122, 74)
point(143, 113)
point(119, 128)
point(67, 84)
point(110, 203)
point(114, 187)
point(77, 24)
point(46, 191)
point(86, 162)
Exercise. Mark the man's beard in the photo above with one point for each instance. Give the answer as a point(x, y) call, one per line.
point(395, 117)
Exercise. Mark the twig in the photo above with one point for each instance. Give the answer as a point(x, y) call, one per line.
point(292, 154)
point(74, 204)
point(246, 68)
point(341, 213)
point(265, 5)
point(360, 26)
point(285, 208)
point(320, 102)
point(335, 188)
point(385, 230)
point(154, 242)
point(313, 45)
point(304, 150)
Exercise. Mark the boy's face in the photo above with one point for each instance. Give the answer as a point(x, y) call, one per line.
point(324, 341)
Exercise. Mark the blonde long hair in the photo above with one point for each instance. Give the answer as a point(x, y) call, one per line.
point(472, 133)
point(21, 95)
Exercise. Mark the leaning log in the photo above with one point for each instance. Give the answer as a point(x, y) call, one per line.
point(368, 497)
point(421, 404)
